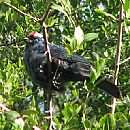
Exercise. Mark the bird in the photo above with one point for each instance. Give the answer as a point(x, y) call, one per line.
point(64, 68)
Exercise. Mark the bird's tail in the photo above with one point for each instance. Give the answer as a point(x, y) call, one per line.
point(109, 87)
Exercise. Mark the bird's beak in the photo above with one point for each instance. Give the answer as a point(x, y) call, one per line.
point(26, 39)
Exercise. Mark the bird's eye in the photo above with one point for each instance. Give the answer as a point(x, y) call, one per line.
point(36, 40)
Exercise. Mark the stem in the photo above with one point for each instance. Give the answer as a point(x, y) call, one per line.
point(126, 60)
point(41, 20)
point(118, 53)
point(49, 96)
point(49, 71)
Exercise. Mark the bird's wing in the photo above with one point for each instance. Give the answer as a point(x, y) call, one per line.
point(58, 56)
point(57, 51)
point(79, 66)
point(72, 65)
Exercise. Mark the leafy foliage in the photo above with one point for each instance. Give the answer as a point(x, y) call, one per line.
point(88, 28)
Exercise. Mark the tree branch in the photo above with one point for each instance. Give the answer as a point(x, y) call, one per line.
point(13, 7)
point(49, 96)
point(118, 53)
point(49, 71)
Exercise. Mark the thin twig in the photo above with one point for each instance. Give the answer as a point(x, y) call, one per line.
point(49, 71)
point(126, 60)
point(118, 53)
point(41, 20)
point(25, 14)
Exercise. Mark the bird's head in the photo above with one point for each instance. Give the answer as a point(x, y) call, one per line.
point(34, 38)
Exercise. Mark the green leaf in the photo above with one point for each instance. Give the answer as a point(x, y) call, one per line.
point(67, 112)
point(87, 123)
point(64, 9)
point(72, 47)
point(77, 109)
point(19, 29)
point(2, 1)
point(30, 119)
point(26, 20)
point(105, 13)
point(88, 110)
point(12, 115)
point(1, 99)
point(90, 36)
point(50, 21)
point(14, 1)
point(93, 74)
point(67, 38)
point(94, 122)
point(59, 8)
point(22, 8)
point(8, 86)
point(66, 4)
point(79, 35)
point(8, 65)
point(30, 112)
point(108, 122)
point(126, 5)
point(99, 66)
point(7, 15)
point(19, 62)
point(95, 56)
point(57, 122)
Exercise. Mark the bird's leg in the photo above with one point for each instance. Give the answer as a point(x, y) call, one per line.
point(56, 72)
point(56, 75)
point(45, 53)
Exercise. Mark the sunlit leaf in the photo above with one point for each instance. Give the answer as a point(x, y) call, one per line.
point(22, 8)
point(1, 1)
point(105, 13)
point(19, 29)
point(90, 36)
point(93, 75)
point(19, 62)
point(50, 21)
point(19, 123)
point(30, 112)
point(67, 38)
point(126, 5)
point(12, 115)
point(87, 123)
point(7, 15)
point(1, 99)
point(57, 122)
point(67, 5)
point(59, 8)
point(79, 35)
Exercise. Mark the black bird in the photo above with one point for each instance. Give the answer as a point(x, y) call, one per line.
point(64, 68)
